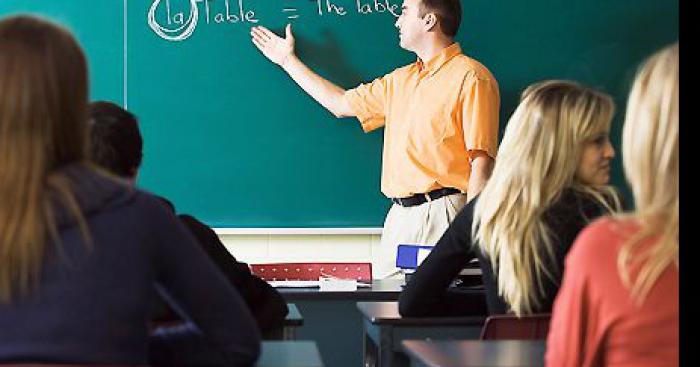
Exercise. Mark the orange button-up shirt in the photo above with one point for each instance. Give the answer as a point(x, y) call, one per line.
point(436, 115)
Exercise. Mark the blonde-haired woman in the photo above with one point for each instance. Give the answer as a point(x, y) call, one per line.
point(619, 299)
point(549, 181)
point(80, 252)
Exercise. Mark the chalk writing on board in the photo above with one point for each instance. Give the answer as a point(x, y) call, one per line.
point(330, 7)
point(377, 6)
point(291, 13)
point(185, 28)
point(177, 25)
point(180, 26)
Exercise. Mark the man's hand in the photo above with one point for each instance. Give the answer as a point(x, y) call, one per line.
point(281, 51)
point(275, 48)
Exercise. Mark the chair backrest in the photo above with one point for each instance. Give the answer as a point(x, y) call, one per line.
point(502, 327)
point(361, 272)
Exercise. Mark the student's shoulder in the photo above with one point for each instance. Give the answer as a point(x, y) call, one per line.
point(614, 227)
point(151, 205)
point(600, 241)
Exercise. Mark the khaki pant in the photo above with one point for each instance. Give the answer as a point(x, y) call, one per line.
point(416, 225)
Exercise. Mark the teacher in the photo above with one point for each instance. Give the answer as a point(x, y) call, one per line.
point(440, 119)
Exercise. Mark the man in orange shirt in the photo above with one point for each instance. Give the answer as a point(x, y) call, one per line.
point(440, 119)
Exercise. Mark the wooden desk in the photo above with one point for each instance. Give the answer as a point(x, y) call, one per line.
point(468, 353)
point(289, 354)
point(384, 329)
point(332, 319)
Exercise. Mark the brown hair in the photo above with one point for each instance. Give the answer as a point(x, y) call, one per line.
point(448, 13)
point(43, 126)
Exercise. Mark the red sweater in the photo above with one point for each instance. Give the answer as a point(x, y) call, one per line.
point(595, 322)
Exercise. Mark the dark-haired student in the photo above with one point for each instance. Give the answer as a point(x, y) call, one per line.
point(117, 146)
point(550, 180)
point(81, 252)
point(440, 120)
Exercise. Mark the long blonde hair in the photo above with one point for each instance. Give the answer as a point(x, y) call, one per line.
point(537, 160)
point(43, 126)
point(651, 163)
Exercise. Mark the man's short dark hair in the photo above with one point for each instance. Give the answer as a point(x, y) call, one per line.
point(115, 141)
point(448, 13)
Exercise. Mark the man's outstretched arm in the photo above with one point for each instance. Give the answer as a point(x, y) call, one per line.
point(281, 51)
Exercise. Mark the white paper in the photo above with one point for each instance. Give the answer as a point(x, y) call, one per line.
point(293, 283)
point(422, 254)
point(332, 284)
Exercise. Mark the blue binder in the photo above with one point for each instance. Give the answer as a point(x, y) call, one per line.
point(407, 256)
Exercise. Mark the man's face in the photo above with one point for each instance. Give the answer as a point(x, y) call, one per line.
point(411, 26)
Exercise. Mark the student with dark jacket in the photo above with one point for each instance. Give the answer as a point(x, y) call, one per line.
point(117, 146)
point(549, 181)
point(80, 251)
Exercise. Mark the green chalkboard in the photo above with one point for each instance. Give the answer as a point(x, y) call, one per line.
point(98, 29)
point(231, 139)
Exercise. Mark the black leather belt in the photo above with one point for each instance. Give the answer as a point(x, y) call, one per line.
point(419, 199)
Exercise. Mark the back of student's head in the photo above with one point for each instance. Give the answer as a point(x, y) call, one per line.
point(115, 141)
point(43, 127)
point(650, 146)
point(538, 160)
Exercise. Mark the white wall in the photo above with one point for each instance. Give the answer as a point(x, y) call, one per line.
point(270, 248)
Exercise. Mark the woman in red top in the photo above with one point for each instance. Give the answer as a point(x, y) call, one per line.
point(618, 304)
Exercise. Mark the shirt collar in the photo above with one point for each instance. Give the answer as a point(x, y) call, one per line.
point(437, 61)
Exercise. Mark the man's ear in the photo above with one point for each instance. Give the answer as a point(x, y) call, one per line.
point(430, 20)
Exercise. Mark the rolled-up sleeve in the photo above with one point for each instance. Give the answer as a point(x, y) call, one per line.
point(480, 104)
point(368, 102)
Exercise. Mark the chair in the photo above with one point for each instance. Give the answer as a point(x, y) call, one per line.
point(503, 327)
point(362, 272)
